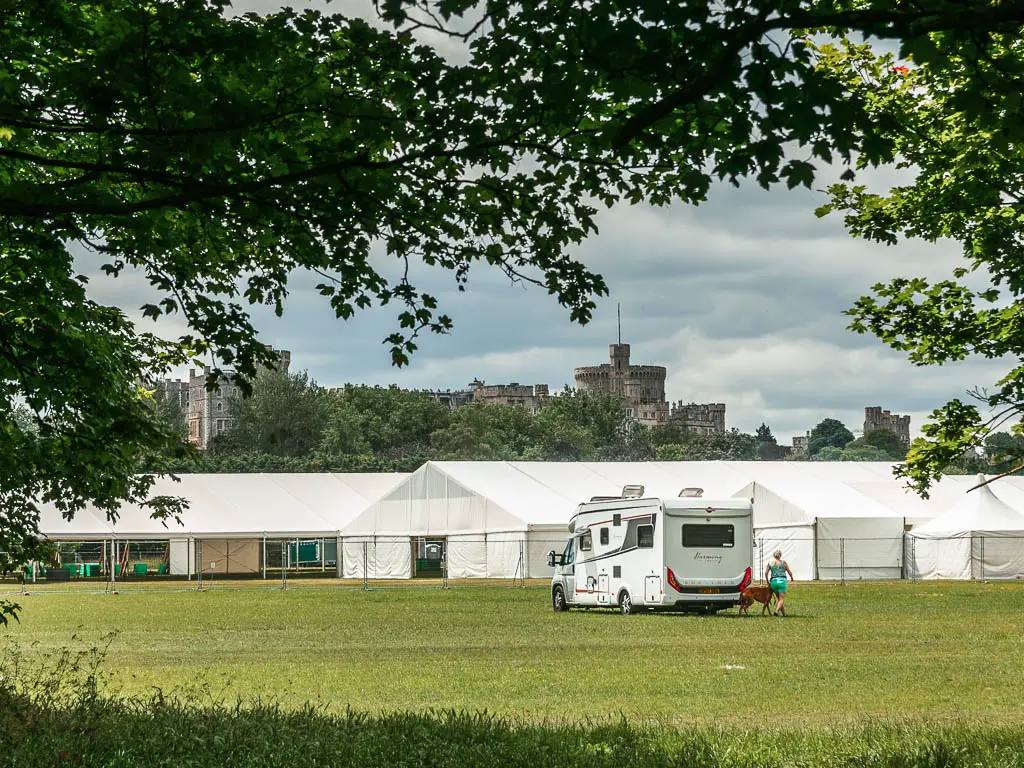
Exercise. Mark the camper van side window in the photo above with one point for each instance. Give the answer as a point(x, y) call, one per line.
point(604, 535)
point(586, 542)
point(645, 536)
point(708, 536)
point(616, 519)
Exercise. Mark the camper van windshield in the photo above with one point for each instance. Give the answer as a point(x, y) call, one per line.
point(568, 554)
point(708, 536)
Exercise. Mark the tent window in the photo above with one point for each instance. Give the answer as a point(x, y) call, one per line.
point(645, 536)
point(586, 542)
point(708, 536)
point(604, 535)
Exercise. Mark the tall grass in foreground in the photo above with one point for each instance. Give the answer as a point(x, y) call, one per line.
point(53, 714)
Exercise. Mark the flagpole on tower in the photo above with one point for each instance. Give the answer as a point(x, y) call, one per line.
point(618, 311)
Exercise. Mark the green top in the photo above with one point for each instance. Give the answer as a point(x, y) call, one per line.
point(778, 570)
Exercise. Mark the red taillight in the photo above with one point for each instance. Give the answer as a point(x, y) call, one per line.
point(746, 580)
point(672, 581)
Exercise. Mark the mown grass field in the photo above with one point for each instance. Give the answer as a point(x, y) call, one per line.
point(928, 653)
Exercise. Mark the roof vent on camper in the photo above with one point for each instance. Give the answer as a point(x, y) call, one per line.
point(632, 491)
point(691, 493)
point(604, 498)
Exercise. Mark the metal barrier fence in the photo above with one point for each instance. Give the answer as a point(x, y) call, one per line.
point(446, 561)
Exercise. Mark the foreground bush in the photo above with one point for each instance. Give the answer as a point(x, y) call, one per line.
point(52, 714)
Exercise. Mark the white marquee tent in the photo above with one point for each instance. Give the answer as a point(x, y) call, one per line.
point(230, 514)
point(828, 520)
point(499, 519)
point(982, 537)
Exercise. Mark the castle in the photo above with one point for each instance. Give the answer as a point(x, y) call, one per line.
point(705, 418)
point(876, 418)
point(532, 397)
point(642, 387)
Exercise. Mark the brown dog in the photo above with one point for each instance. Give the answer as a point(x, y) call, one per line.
point(750, 595)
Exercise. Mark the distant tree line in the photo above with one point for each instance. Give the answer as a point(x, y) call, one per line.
point(291, 424)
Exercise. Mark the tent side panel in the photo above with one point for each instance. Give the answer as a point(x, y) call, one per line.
point(467, 557)
point(860, 548)
point(538, 544)
point(354, 557)
point(1002, 556)
point(941, 558)
point(391, 558)
point(230, 556)
point(796, 543)
point(182, 561)
point(503, 550)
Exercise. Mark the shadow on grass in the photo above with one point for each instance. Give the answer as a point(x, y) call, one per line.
point(124, 733)
point(728, 614)
point(52, 715)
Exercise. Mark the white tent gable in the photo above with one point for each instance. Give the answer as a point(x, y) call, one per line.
point(978, 511)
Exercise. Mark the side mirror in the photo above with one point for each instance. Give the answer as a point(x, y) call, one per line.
point(551, 559)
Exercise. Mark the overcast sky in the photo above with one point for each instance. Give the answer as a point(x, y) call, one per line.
point(741, 299)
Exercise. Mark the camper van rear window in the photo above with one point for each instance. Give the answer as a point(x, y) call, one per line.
point(708, 536)
point(645, 536)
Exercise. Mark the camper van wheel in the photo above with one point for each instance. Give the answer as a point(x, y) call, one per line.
point(625, 603)
point(558, 600)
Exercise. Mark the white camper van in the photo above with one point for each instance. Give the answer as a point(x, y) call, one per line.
point(631, 553)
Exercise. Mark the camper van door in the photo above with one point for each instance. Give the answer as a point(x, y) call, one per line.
point(568, 569)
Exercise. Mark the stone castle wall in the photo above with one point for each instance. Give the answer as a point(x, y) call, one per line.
point(531, 397)
point(641, 386)
point(876, 418)
point(699, 417)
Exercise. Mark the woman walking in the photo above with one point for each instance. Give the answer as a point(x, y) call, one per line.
point(775, 574)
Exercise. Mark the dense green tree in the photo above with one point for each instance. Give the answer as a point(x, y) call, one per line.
point(283, 416)
point(887, 441)
point(828, 453)
point(731, 445)
point(486, 432)
point(385, 422)
point(970, 462)
point(668, 434)
point(1003, 452)
point(829, 433)
point(768, 448)
point(262, 462)
point(861, 451)
point(71, 366)
point(579, 425)
point(170, 411)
